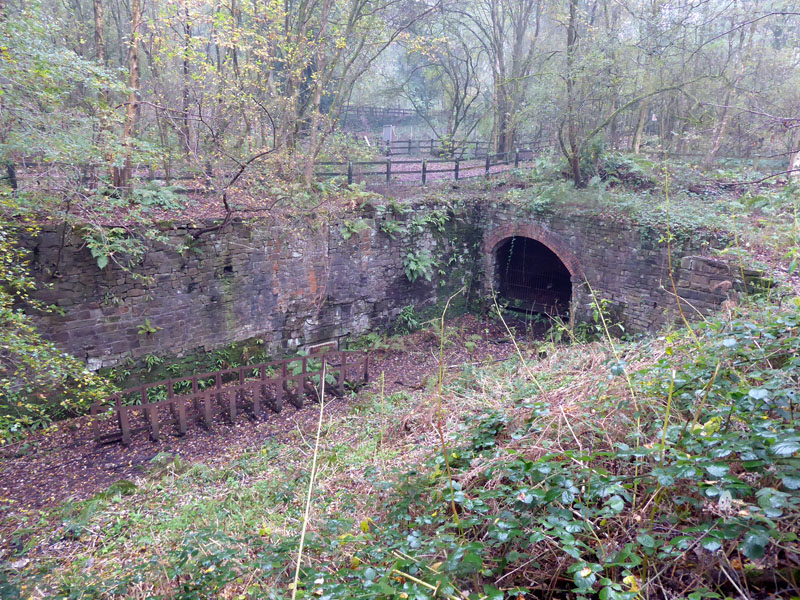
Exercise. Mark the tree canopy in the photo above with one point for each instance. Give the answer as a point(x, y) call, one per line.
point(194, 84)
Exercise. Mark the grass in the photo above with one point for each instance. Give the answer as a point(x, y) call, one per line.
point(558, 493)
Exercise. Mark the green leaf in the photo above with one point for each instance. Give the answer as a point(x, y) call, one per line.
point(786, 447)
point(791, 482)
point(492, 593)
point(102, 261)
point(646, 540)
point(754, 545)
point(717, 470)
point(615, 503)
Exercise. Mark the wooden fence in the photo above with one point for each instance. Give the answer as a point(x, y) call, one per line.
point(421, 171)
point(198, 398)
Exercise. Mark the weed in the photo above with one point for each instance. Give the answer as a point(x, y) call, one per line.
point(147, 328)
point(408, 321)
point(418, 264)
point(393, 228)
point(352, 228)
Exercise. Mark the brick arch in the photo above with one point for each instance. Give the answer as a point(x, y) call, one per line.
point(540, 234)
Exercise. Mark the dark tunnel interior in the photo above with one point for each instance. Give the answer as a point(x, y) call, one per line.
point(532, 278)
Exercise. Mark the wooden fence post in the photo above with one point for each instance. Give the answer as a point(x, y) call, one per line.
point(431, 152)
point(342, 372)
point(424, 170)
point(349, 173)
point(488, 163)
point(388, 170)
point(516, 158)
point(456, 170)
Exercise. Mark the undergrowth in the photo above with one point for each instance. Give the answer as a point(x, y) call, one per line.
point(664, 468)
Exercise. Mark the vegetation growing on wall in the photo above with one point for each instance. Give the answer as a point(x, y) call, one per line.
point(38, 382)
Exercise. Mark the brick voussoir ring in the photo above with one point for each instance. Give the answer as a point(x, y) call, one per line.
point(540, 234)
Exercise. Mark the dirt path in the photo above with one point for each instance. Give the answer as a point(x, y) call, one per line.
point(47, 469)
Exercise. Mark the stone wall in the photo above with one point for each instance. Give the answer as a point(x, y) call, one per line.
point(293, 285)
point(289, 285)
point(623, 262)
point(704, 283)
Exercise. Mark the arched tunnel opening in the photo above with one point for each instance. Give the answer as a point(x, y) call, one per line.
point(531, 277)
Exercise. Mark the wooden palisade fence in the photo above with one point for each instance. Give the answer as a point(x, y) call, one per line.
point(201, 396)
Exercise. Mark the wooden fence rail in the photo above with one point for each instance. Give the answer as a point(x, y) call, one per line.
point(249, 388)
point(420, 171)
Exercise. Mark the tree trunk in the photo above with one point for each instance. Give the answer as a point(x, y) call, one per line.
point(719, 132)
point(638, 132)
point(122, 176)
point(573, 153)
point(503, 133)
point(794, 153)
point(315, 139)
point(99, 33)
point(722, 126)
point(100, 56)
point(11, 169)
point(187, 40)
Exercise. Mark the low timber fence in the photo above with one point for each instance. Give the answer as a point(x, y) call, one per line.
point(444, 164)
point(423, 170)
point(178, 403)
point(378, 112)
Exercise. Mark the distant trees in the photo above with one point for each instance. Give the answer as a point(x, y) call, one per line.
point(441, 79)
point(207, 83)
point(682, 77)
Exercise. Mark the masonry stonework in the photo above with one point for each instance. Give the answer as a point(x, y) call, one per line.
point(312, 283)
point(287, 286)
point(614, 260)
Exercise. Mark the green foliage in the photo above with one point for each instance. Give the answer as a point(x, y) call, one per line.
point(631, 169)
point(434, 220)
point(396, 208)
point(120, 245)
point(591, 155)
point(601, 504)
point(146, 328)
point(408, 321)
point(418, 264)
point(153, 367)
point(603, 321)
point(41, 81)
point(341, 147)
point(155, 195)
point(351, 228)
point(393, 228)
point(536, 201)
point(313, 364)
point(38, 382)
